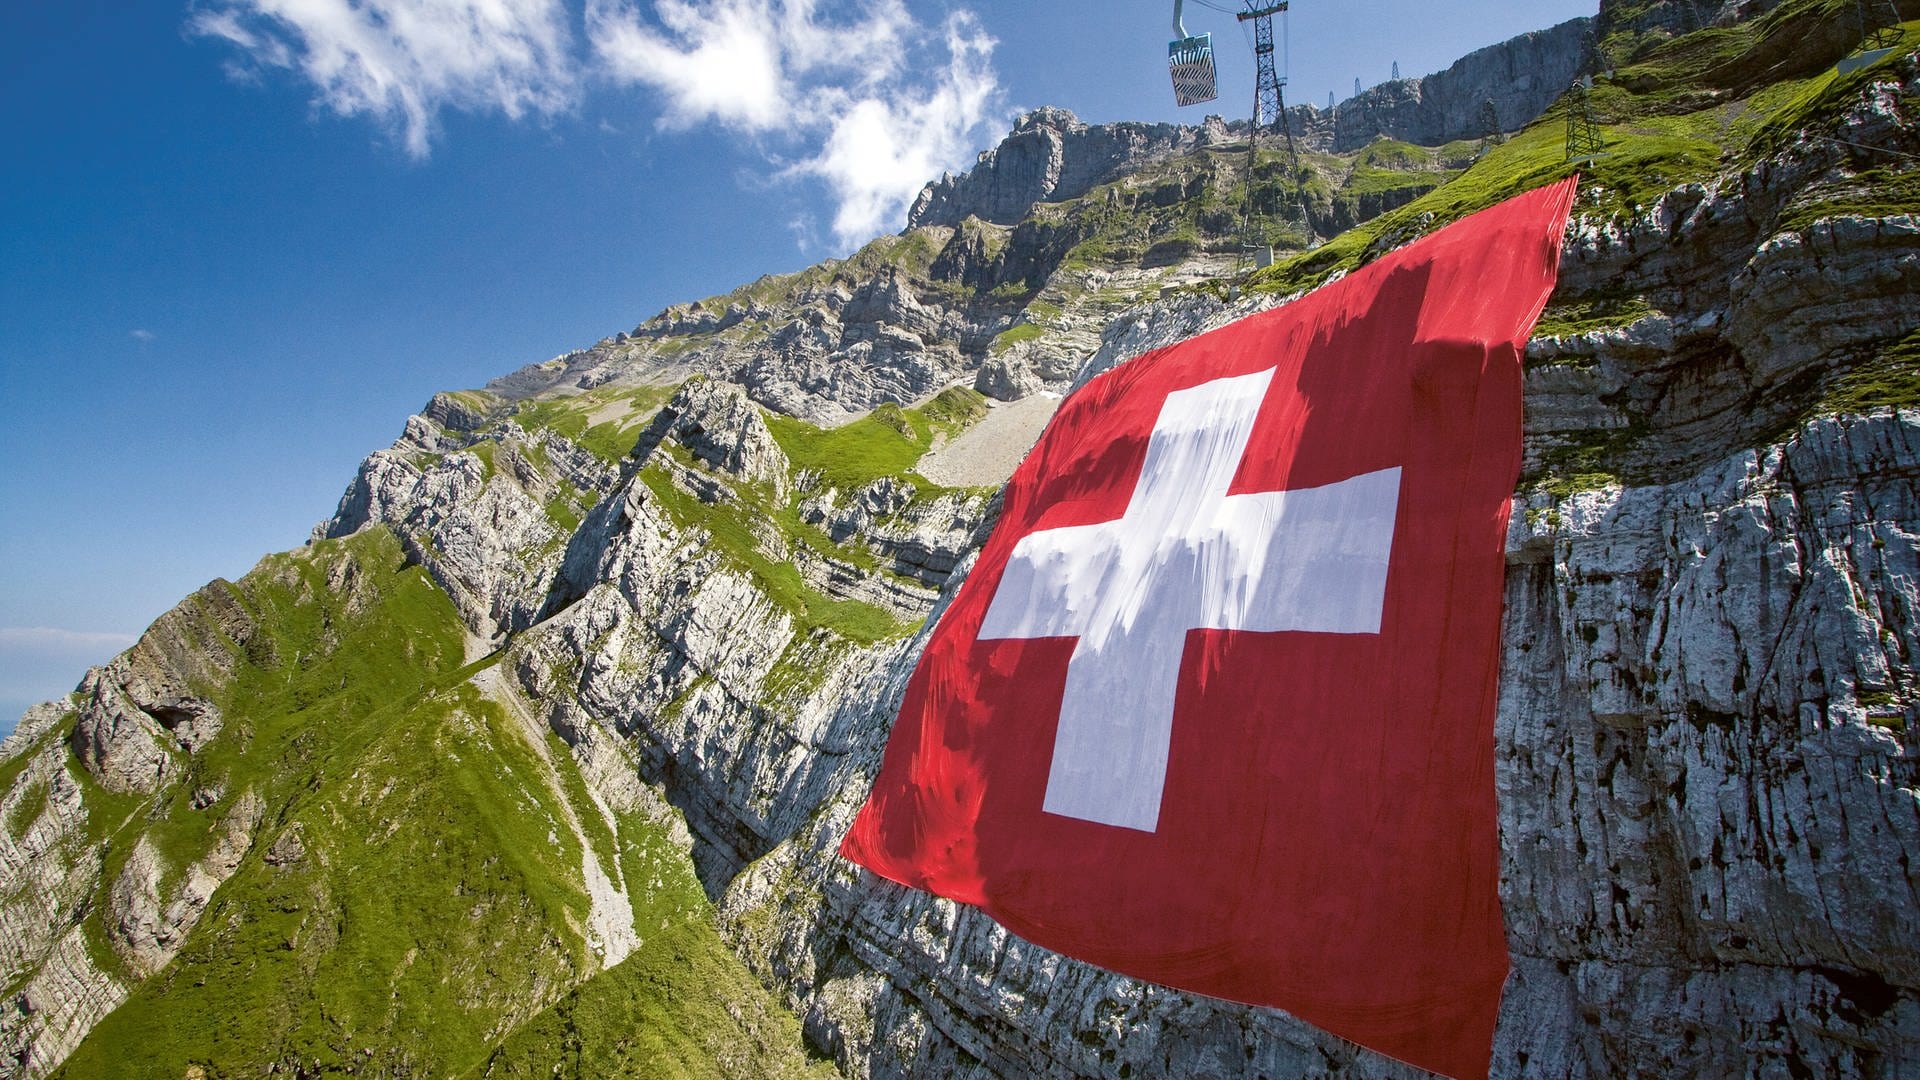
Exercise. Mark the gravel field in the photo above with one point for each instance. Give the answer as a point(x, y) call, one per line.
point(986, 453)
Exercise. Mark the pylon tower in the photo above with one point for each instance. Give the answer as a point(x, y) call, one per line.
point(1878, 36)
point(1583, 133)
point(1269, 101)
point(1876, 32)
point(1491, 135)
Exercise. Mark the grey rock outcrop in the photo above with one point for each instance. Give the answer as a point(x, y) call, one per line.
point(148, 928)
point(1705, 773)
point(466, 412)
point(835, 352)
point(1049, 155)
point(1031, 367)
point(480, 527)
point(1842, 282)
point(143, 706)
point(722, 429)
point(689, 669)
point(920, 539)
point(48, 873)
point(1521, 77)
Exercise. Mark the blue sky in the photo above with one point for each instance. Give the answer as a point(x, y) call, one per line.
point(240, 240)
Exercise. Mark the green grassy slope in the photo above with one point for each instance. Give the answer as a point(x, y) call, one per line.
point(1677, 110)
point(681, 1007)
point(414, 892)
point(755, 528)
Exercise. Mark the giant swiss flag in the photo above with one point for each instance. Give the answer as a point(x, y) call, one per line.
point(1215, 708)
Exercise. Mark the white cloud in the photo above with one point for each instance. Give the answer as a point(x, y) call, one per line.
point(402, 61)
point(43, 663)
point(755, 65)
point(141, 335)
point(48, 637)
point(720, 66)
point(806, 231)
point(857, 96)
point(883, 148)
point(877, 119)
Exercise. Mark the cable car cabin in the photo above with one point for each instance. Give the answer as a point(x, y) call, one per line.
point(1190, 60)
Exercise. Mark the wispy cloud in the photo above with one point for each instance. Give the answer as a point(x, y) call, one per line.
point(49, 637)
point(877, 110)
point(43, 663)
point(402, 61)
point(859, 97)
point(883, 147)
point(756, 65)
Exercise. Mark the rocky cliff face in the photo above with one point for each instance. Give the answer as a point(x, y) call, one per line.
point(651, 621)
point(1519, 78)
point(1051, 156)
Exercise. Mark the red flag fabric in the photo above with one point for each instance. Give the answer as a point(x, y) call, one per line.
point(1215, 707)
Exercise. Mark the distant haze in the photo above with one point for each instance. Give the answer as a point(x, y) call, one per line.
point(39, 663)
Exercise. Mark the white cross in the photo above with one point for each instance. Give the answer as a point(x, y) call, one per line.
point(1184, 556)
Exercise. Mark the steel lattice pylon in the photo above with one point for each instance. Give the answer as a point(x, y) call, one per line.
point(1583, 134)
point(1877, 38)
point(1269, 103)
point(1877, 34)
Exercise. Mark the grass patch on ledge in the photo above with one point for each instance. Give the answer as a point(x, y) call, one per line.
point(565, 515)
point(1015, 334)
point(1875, 193)
point(1530, 159)
point(613, 440)
point(484, 450)
point(1815, 103)
point(11, 768)
point(1365, 182)
point(853, 455)
point(1587, 459)
point(1560, 487)
point(1890, 380)
point(394, 939)
point(1640, 164)
point(349, 716)
point(27, 810)
point(749, 524)
point(571, 418)
point(1584, 314)
point(682, 1005)
point(1393, 154)
point(1669, 118)
point(888, 441)
point(727, 526)
point(562, 416)
point(913, 252)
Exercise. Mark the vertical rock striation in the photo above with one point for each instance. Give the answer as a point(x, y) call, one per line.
point(1520, 77)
